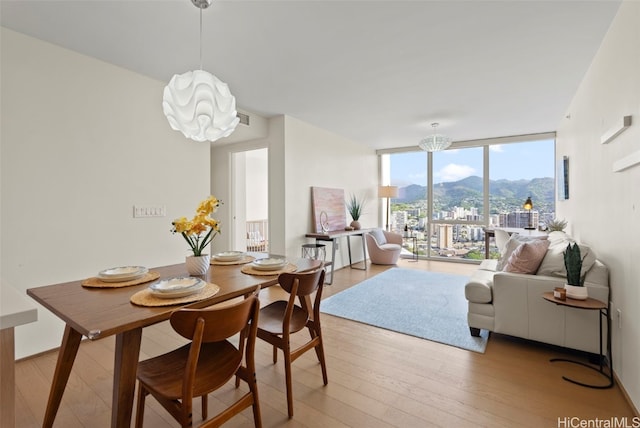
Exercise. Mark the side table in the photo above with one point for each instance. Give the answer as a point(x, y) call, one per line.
point(414, 240)
point(594, 305)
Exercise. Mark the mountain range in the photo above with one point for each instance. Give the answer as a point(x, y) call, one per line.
point(504, 195)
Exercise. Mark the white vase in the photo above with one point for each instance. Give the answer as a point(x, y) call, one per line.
point(576, 292)
point(198, 265)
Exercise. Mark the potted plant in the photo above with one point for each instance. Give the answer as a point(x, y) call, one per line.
point(556, 225)
point(355, 207)
point(573, 264)
point(199, 232)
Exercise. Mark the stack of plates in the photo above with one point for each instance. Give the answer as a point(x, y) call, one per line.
point(228, 256)
point(176, 287)
point(122, 274)
point(271, 263)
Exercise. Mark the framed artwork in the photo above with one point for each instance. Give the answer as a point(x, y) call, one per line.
point(328, 209)
point(563, 178)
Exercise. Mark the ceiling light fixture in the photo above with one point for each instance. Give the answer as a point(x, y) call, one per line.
point(197, 103)
point(435, 142)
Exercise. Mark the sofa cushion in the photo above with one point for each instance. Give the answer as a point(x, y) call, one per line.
point(479, 287)
point(391, 247)
point(489, 264)
point(514, 242)
point(527, 257)
point(553, 262)
point(379, 236)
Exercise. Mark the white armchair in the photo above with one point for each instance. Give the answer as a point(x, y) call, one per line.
point(384, 247)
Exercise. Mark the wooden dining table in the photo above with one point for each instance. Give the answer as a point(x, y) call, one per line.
point(96, 313)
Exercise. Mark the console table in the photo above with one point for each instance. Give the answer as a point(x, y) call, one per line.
point(594, 305)
point(333, 236)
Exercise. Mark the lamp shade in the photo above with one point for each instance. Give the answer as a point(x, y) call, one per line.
point(528, 204)
point(388, 191)
point(435, 143)
point(200, 105)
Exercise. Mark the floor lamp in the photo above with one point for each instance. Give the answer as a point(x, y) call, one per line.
point(388, 192)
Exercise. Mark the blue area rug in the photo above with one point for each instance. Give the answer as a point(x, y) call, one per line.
point(428, 305)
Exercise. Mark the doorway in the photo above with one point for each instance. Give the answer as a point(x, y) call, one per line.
point(250, 190)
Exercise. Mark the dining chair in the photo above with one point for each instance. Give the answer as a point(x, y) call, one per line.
point(280, 319)
point(205, 364)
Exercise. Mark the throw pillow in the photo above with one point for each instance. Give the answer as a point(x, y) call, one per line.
point(553, 262)
point(379, 236)
point(527, 257)
point(514, 242)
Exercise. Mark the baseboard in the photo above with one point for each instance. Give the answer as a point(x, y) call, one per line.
point(625, 395)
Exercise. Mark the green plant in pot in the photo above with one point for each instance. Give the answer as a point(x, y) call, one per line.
point(355, 207)
point(556, 225)
point(573, 264)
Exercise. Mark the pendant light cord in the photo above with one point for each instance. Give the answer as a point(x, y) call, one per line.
point(200, 38)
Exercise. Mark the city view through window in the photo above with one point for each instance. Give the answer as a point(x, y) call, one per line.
point(449, 221)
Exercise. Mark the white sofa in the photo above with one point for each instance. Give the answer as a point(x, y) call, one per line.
point(512, 303)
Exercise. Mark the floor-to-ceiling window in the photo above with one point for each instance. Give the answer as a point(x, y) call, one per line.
point(447, 198)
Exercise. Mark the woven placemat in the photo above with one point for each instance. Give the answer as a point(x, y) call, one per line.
point(97, 283)
point(246, 259)
point(250, 270)
point(146, 298)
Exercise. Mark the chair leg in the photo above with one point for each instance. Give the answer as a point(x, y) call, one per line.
point(287, 373)
point(142, 393)
point(315, 331)
point(275, 354)
point(257, 418)
point(205, 407)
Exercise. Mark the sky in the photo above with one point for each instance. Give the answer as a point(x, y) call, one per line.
point(507, 161)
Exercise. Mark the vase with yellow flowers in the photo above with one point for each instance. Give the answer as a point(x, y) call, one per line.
point(199, 232)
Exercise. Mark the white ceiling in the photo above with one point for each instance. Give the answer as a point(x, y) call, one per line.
point(377, 72)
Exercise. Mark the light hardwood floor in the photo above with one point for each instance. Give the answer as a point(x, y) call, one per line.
point(377, 378)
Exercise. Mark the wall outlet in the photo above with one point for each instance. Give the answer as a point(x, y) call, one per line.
point(619, 313)
point(143, 211)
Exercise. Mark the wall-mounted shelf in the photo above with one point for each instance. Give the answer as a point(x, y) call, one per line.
point(626, 162)
point(616, 130)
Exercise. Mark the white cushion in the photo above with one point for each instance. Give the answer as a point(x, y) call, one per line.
point(553, 262)
point(379, 236)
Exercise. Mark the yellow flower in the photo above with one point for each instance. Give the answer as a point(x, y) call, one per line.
point(208, 206)
point(181, 225)
point(192, 230)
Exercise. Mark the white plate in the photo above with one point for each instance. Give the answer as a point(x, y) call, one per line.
point(269, 264)
point(176, 287)
point(228, 256)
point(122, 274)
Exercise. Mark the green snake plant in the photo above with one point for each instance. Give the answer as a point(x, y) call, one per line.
point(573, 264)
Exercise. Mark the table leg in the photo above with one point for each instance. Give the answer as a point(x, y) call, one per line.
point(8, 376)
point(601, 357)
point(329, 280)
point(487, 237)
point(364, 254)
point(124, 376)
point(66, 357)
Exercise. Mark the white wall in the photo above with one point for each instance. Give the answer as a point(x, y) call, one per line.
point(604, 206)
point(301, 156)
point(82, 141)
point(314, 157)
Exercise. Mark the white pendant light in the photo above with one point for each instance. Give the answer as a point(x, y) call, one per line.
point(197, 103)
point(435, 142)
